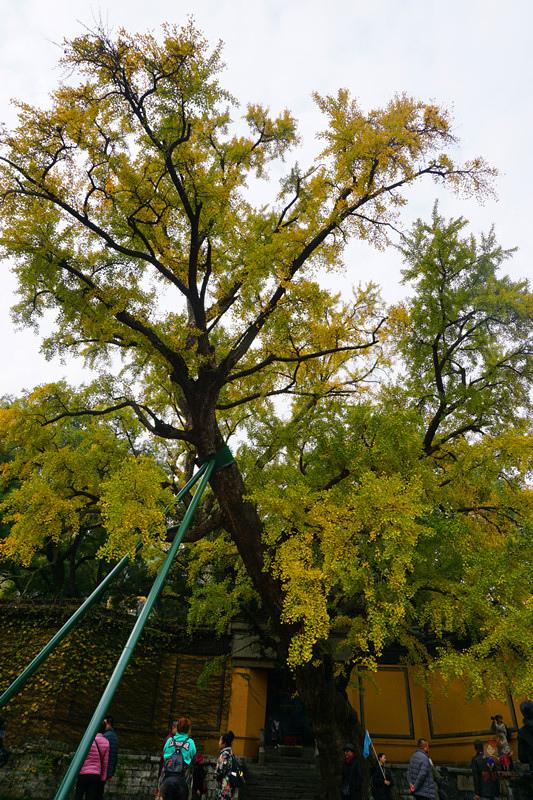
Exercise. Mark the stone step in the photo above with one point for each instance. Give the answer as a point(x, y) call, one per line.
point(264, 793)
point(275, 780)
point(275, 776)
point(287, 754)
point(286, 779)
point(268, 794)
point(293, 761)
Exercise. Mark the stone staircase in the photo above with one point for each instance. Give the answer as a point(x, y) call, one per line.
point(284, 776)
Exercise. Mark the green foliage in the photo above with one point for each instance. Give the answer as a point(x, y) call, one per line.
point(214, 666)
point(74, 491)
point(218, 584)
point(468, 335)
point(91, 649)
point(388, 524)
point(133, 179)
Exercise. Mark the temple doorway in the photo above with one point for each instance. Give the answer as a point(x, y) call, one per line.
point(285, 708)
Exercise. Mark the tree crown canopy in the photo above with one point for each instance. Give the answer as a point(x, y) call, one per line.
point(377, 518)
point(404, 518)
point(469, 332)
point(125, 206)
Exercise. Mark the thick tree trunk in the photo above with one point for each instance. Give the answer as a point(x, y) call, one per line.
point(334, 720)
point(241, 517)
point(335, 723)
point(57, 567)
point(243, 521)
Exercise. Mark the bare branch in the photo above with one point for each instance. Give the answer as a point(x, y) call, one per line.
point(174, 359)
point(300, 358)
point(41, 192)
point(214, 522)
point(148, 418)
point(248, 336)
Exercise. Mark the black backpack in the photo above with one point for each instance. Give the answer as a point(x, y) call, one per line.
point(175, 764)
point(235, 773)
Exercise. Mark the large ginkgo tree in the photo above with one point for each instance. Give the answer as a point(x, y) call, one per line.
point(125, 207)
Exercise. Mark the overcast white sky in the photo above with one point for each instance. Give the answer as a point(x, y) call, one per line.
point(474, 56)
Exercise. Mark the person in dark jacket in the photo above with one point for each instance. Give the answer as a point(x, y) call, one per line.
point(225, 768)
point(525, 747)
point(485, 774)
point(381, 780)
point(420, 773)
point(199, 785)
point(351, 775)
point(112, 738)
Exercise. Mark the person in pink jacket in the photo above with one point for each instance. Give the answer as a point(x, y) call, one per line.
point(93, 773)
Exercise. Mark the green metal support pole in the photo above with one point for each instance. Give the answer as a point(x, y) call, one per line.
point(19, 682)
point(109, 692)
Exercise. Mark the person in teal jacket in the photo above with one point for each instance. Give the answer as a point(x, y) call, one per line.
point(174, 786)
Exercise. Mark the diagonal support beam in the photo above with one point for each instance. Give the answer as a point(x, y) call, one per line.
point(71, 623)
point(109, 692)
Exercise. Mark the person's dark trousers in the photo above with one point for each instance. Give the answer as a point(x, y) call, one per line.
point(102, 789)
point(88, 787)
point(174, 789)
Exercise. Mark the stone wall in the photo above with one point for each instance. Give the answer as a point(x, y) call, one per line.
point(162, 681)
point(35, 774)
point(32, 774)
point(458, 784)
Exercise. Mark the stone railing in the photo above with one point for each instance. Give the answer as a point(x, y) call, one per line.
point(35, 774)
point(457, 783)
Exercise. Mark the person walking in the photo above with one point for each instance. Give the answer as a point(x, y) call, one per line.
point(178, 753)
point(199, 784)
point(112, 738)
point(350, 775)
point(502, 732)
point(227, 772)
point(160, 773)
point(484, 773)
point(93, 773)
point(382, 782)
point(420, 774)
point(525, 748)
point(276, 737)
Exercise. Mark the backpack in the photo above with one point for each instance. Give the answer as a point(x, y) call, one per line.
point(235, 774)
point(490, 771)
point(174, 766)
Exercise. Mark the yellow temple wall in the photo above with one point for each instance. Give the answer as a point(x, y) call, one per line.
point(394, 707)
point(247, 708)
point(396, 710)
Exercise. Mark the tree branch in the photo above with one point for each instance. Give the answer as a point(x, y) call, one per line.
point(300, 358)
point(246, 339)
point(148, 418)
point(42, 193)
